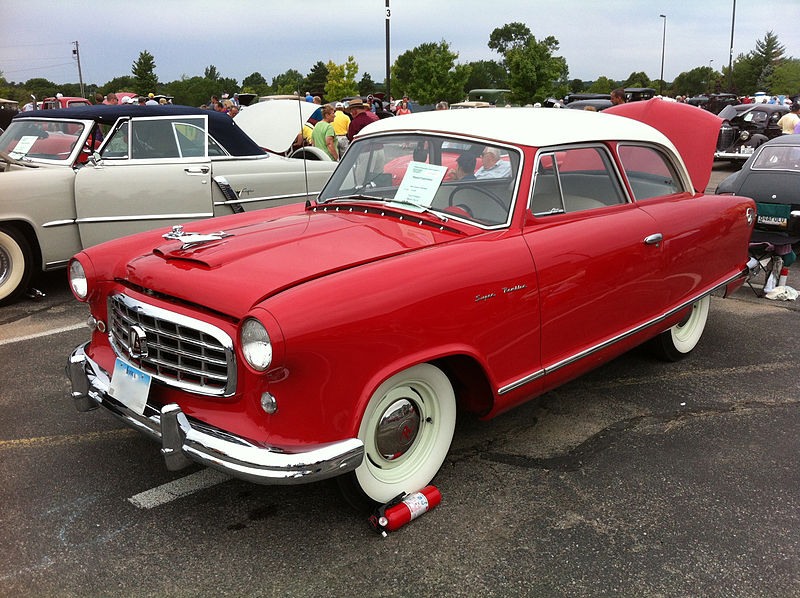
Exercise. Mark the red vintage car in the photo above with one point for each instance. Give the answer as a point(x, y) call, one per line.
point(337, 338)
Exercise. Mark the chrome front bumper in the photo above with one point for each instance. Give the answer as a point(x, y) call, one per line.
point(184, 442)
point(732, 156)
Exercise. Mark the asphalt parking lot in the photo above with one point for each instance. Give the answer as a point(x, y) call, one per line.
point(642, 478)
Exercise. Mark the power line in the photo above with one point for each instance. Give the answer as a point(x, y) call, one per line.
point(34, 45)
point(36, 68)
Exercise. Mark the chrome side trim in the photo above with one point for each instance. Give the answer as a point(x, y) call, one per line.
point(56, 264)
point(184, 441)
point(265, 198)
point(143, 217)
point(549, 369)
point(521, 382)
point(57, 223)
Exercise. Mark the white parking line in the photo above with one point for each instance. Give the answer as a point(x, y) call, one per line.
point(165, 493)
point(27, 337)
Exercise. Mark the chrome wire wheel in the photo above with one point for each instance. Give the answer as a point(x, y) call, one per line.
point(407, 429)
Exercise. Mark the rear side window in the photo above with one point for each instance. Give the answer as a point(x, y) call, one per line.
point(575, 180)
point(649, 172)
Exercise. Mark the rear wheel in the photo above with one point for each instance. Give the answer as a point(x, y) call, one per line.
point(677, 342)
point(407, 429)
point(16, 263)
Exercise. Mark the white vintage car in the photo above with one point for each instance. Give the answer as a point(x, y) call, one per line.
point(74, 178)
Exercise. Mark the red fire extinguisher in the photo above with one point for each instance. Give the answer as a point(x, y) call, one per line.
point(404, 508)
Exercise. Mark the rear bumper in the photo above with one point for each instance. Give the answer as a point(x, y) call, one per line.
point(184, 441)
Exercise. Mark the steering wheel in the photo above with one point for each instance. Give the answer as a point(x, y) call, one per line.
point(486, 192)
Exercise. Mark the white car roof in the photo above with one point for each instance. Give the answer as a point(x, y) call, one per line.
point(535, 127)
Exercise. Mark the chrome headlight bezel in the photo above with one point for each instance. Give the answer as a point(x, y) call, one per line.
point(78, 281)
point(256, 344)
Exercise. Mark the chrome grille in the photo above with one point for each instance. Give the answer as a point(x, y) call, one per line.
point(181, 351)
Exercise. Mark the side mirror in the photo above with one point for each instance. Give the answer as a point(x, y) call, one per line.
point(95, 159)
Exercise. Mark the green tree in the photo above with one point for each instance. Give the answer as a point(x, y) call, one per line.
point(752, 71)
point(637, 80)
point(341, 80)
point(257, 84)
point(211, 73)
point(144, 73)
point(289, 82)
point(317, 78)
point(41, 88)
point(486, 74)
point(534, 73)
point(698, 80)
point(786, 78)
point(191, 91)
point(603, 85)
point(508, 37)
point(366, 86)
point(576, 86)
point(123, 83)
point(428, 73)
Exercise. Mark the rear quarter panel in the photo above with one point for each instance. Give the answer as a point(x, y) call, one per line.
point(38, 196)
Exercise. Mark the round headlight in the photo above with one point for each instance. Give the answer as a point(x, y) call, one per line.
point(256, 345)
point(77, 280)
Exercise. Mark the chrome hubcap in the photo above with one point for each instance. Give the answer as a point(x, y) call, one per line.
point(397, 429)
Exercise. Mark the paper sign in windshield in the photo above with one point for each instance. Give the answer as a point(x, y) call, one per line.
point(23, 146)
point(420, 183)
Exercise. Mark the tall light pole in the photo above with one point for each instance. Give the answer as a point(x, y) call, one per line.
point(710, 74)
point(730, 59)
point(388, 66)
point(663, 45)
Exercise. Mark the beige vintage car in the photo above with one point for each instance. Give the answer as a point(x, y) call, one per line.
point(74, 178)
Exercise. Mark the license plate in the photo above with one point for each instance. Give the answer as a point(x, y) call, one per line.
point(773, 220)
point(130, 386)
point(746, 150)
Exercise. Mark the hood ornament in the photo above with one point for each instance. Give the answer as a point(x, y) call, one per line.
point(190, 240)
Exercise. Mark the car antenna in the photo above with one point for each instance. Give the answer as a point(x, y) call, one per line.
point(302, 142)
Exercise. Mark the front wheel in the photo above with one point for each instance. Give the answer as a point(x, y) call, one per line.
point(406, 429)
point(16, 263)
point(677, 342)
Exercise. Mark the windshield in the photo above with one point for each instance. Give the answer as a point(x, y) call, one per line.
point(453, 177)
point(43, 139)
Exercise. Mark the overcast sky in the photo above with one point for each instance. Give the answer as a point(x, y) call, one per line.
point(607, 37)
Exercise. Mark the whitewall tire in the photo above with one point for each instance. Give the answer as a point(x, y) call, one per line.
point(406, 429)
point(16, 265)
point(677, 342)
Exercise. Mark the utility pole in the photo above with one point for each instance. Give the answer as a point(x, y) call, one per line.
point(663, 46)
point(730, 60)
point(388, 67)
point(77, 54)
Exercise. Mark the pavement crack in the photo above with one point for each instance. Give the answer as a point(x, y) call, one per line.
point(576, 458)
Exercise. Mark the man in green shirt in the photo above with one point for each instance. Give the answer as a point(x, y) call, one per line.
point(324, 136)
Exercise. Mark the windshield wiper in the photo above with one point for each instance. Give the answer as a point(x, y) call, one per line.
point(361, 196)
point(419, 206)
point(355, 196)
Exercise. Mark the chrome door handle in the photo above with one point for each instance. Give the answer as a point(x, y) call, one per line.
point(653, 239)
point(196, 170)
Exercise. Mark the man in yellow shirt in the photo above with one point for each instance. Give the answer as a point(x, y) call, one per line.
point(340, 124)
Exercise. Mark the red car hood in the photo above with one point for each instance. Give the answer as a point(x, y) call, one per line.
point(260, 259)
point(693, 131)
